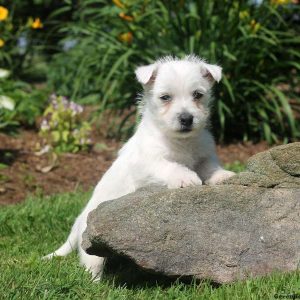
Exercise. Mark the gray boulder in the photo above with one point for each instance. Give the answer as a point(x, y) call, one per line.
point(248, 226)
point(278, 167)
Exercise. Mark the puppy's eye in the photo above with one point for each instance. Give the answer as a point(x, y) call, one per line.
point(165, 98)
point(197, 95)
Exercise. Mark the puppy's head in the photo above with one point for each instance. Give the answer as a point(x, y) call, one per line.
point(177, 93)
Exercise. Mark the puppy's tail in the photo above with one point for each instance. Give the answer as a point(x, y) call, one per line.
point(68, 246)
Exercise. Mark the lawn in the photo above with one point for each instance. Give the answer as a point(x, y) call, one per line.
point(38, 225)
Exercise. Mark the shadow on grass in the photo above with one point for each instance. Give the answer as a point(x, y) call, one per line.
point(124, 272)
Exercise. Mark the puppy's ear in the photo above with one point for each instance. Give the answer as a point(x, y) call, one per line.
point(213, 72)
point(145, 74)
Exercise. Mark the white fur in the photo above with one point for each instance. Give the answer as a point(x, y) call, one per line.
point(159, 152)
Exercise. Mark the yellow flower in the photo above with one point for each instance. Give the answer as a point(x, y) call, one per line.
point(37, 24)
point(280, 2)
point(2, 43)
point(126, 37)
point(125, 17)
point(244, 14)
point(255, 26)
point(3, 13)
point(118, 3)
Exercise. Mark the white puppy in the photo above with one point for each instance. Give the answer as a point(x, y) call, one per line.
point(171, 145)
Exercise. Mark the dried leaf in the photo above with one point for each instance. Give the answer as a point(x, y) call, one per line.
point(53, 164)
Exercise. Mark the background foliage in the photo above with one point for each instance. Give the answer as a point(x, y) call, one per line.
point(28, 32)
point(27, 104)
point(88, 50)
point(257, 45)
point(61, 127)
point(24, 50)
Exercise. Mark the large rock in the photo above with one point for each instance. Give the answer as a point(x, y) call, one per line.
point(278, 167)
point(247, 227)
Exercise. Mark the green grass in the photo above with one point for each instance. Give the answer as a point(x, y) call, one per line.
point(235, 166)
point(37, 226)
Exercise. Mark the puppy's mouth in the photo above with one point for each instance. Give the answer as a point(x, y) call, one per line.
point(185, 129)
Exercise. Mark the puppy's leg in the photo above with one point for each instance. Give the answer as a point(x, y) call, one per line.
point(211, 171)
point(174, 175)
point(92, 263)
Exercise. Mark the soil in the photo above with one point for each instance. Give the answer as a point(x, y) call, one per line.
point(21, 169)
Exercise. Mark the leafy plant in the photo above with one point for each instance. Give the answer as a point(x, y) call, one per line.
point(257, 45)
point(107, 46)
point(27, 36)
point(7, 105)
point(17, 38)
point(20, 103)
point(62, 128)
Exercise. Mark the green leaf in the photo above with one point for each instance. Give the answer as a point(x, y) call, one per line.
point(65, 135)
point(55, 136)
point(229, 88)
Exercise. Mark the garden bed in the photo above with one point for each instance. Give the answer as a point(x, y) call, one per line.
point(21, 175)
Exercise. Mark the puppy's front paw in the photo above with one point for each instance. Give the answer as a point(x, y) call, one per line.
point(183, 179)
point(219, 176)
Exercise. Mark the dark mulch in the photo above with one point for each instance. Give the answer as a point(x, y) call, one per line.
point(22, 175)
point(239, 151)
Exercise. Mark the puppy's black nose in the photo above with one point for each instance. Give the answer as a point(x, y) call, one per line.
point(186, 119)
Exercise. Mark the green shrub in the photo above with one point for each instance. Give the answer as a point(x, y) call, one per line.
point(18, 36)
point(107, 48)
point(257, 45)
point(28, 36)
point(7, 106)
point(20, 103)
point(62, 128)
